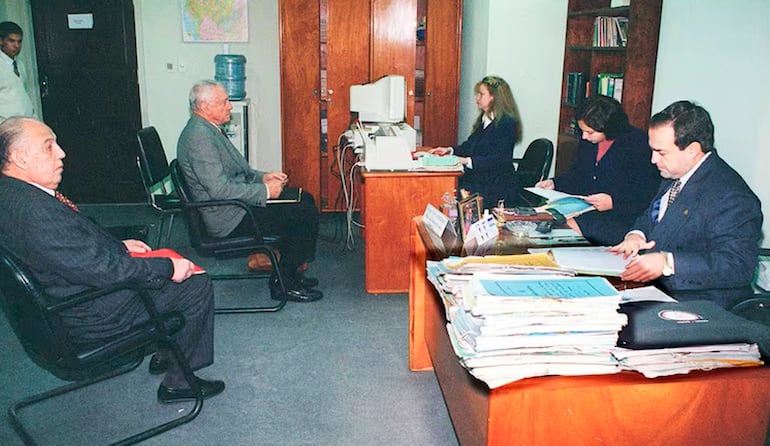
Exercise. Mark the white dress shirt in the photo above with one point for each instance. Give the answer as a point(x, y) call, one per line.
point(14, 99)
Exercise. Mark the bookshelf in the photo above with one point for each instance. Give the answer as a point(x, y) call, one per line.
point(633, 62)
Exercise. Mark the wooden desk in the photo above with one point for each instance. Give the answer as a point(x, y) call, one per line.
point(390, 200)
point(721, 407)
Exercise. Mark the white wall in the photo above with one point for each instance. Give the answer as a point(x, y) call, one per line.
point(164, 93)
point(717, 53)
point(522, 42)
point(473, 61)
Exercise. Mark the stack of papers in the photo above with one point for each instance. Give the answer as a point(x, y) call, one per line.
point(515, 317)
point(679, 360)
point(509, 322)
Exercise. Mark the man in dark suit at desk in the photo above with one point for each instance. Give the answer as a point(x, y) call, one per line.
point(215, 170)
point(68, 253)
point(700, 236)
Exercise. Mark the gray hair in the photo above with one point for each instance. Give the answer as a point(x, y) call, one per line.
point(11, 131)
point(201, 92)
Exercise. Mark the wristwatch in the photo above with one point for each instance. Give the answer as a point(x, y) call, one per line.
point(668, 264)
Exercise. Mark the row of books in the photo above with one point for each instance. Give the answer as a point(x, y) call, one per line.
point(515, 317)
point(579, 87)
point(610, 32)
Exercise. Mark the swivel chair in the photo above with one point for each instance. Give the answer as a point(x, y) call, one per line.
point(535, 165)
point(35, 318)
point(153, 165)
point(230, 246)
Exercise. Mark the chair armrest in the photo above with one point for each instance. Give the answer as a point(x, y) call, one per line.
point(755, 308)
point(92, 294)
point(155, 317)
point(231, 202)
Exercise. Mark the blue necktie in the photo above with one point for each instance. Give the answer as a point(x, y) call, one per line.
point(655, 212)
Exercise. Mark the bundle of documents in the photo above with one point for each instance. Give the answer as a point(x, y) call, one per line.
point(515, 317)
point(679, 360)
point(594, 260)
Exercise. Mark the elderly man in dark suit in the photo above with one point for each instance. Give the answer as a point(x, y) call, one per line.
point(68, 253)
point(215, 170)
point(700, 236)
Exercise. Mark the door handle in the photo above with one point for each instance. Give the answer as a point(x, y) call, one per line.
point(44, 86)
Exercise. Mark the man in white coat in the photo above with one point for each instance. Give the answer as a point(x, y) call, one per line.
point(14, 98)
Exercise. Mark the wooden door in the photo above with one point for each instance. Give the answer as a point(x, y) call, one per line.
point(347, 63)
point(300, 93)
point(442, 72)
point(90, 95)
point(394, 33)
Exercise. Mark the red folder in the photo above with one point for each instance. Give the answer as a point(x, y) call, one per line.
point(169, 254)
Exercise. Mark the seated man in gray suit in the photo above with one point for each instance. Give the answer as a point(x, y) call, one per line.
point(215, 170)
point(68, 253)
point(700, 236)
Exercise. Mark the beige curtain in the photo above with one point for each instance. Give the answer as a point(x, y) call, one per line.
point(19, 11)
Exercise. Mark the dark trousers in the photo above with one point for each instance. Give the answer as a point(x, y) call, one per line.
point(114, 314)
point(295, 223)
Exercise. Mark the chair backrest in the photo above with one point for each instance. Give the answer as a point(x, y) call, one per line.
point(536, 162)
point(41, 333)
point(195, 225)
point(200, 239)
point(152, 157)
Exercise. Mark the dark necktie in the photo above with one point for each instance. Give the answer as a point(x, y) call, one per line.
point(59, 196)
point(16, 68)
point(674, 191)
point(655, 212)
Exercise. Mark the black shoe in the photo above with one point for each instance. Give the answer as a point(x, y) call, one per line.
point(294, 292)
point(158, 365)
point(307, 282)
point(167, 395)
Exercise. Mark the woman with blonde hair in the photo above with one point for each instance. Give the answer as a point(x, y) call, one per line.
point(487, 154)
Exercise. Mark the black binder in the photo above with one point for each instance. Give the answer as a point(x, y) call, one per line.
point(687, 323)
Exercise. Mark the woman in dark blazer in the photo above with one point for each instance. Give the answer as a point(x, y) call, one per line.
point(612, 168)
point(488, 153)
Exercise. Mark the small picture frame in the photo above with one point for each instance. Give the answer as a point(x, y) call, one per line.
point(469, 212)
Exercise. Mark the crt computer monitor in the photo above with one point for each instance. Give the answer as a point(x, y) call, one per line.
point(382, 101)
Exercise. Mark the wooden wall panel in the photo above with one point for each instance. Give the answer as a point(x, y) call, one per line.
point(394, 32)
point(442, 72)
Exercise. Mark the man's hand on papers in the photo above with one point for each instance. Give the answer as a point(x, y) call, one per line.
point(602, 202)
point(645, 268)
point(631, 245)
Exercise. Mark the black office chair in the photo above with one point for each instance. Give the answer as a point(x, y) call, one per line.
point(227, 247)
point(35, 319)
point(153, 165)
point(535, 165)
point(756, 308)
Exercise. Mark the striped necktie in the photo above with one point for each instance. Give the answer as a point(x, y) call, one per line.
point(674, 191)
point(16, 68)
point(60, 196)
